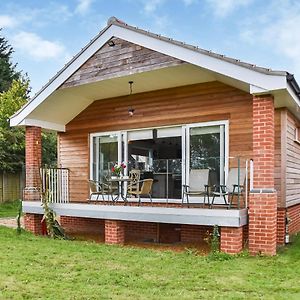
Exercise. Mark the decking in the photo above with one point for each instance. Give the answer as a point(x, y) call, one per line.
point(189, 216)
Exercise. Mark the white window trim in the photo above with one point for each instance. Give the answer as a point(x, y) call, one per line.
point(122, 136)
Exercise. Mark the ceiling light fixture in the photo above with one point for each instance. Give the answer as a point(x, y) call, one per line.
point(111, 43)
point(130, 109)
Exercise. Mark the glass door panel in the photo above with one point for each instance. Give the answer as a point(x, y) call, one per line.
point(105, 155)
point(206, 150)
point(157, 153)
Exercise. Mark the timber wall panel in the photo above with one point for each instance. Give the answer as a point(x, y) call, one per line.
point(189, 104)
point(278, 158)
point(292, 163)
point(110, 62)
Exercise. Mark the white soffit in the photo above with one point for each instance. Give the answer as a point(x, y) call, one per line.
point(234, 72)
point(65, 104)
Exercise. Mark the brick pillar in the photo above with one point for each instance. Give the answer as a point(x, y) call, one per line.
point(263, 197)
point(32, 223)
point(231, 240)
point(114, 232)
point(281, 216)
point(33, 160)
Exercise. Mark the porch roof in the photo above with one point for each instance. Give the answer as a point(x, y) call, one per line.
point(191, 216)
point(53, 108)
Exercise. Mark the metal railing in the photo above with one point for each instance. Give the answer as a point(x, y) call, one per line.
point(57, 181)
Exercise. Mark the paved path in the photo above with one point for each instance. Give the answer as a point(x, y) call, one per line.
point(10, 222)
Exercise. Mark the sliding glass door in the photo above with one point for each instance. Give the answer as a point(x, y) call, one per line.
point(206, 149)
point(105, 152)
point(157, 154)
point(166, 154)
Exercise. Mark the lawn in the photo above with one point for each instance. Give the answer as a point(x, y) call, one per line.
point(39, 268)
point(9, 209)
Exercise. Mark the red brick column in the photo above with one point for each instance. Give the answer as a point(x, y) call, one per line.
point(114, 232)
point(33, 160)
point(231, 239)
point(263, 197)
point(281, 216)
point(33, 223)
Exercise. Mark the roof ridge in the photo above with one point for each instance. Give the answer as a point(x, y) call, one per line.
point(115, 21)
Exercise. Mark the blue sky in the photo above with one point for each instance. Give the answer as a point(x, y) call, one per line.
point(46, 34)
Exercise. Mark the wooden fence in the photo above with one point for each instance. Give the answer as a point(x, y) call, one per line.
point(11, 186)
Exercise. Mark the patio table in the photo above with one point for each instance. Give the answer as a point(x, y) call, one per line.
point(121, 182)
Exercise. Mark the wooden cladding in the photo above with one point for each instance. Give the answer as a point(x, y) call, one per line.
point(292, 162)
point(183, 105)
point(122, 59)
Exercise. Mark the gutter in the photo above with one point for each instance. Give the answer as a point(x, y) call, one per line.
point(293, 84)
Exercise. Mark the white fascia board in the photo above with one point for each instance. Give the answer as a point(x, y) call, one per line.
point(43, 124)
point(61, 78)
point(264, 81)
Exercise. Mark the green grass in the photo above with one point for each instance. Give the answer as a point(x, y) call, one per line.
point(9, 209)
point(39, 268)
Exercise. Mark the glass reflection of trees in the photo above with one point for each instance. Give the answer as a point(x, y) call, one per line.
point(205, 151)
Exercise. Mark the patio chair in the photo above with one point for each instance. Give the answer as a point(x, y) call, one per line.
point(95, 189)
point(198, 185)
point(98, 188)
point(134, 176)
point(145, 189)
point(232, 188)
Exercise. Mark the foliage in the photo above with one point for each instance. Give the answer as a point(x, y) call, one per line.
point(220, 256)
point(9, 208)
point(14, 93)
point(19, 228)
point(49, 149)
point(39, 268)
point(8, 71)
point(54, 230)
point(117, 169)
point(12, 142)
point(213, 239)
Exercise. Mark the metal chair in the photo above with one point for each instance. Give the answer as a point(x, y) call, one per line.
point(235, 186)
point(145, 190)
point(198, 185)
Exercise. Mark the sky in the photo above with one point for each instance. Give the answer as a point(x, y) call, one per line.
point(47, 34)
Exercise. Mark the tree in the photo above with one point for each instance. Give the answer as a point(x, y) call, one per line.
point(14, 93)
point(8, 71)
point(12, 142)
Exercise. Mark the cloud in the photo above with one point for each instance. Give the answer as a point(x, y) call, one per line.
point(223, 8)
point(36, 47)
point(83, 6)
point(278, 29)
point(189, 2)
point(7, 21)
point(151, 6)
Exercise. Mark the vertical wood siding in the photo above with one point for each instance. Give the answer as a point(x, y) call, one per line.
point(188, 104)
point(292, 163)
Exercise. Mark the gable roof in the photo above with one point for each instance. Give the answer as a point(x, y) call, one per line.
point(260, 80)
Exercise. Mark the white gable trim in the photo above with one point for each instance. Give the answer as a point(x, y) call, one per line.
point(252, 77)
point(43, 124)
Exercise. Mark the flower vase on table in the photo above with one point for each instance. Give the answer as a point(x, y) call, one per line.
point(117, 170)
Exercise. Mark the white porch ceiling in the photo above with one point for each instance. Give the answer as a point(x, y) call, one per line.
point(65, 104)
